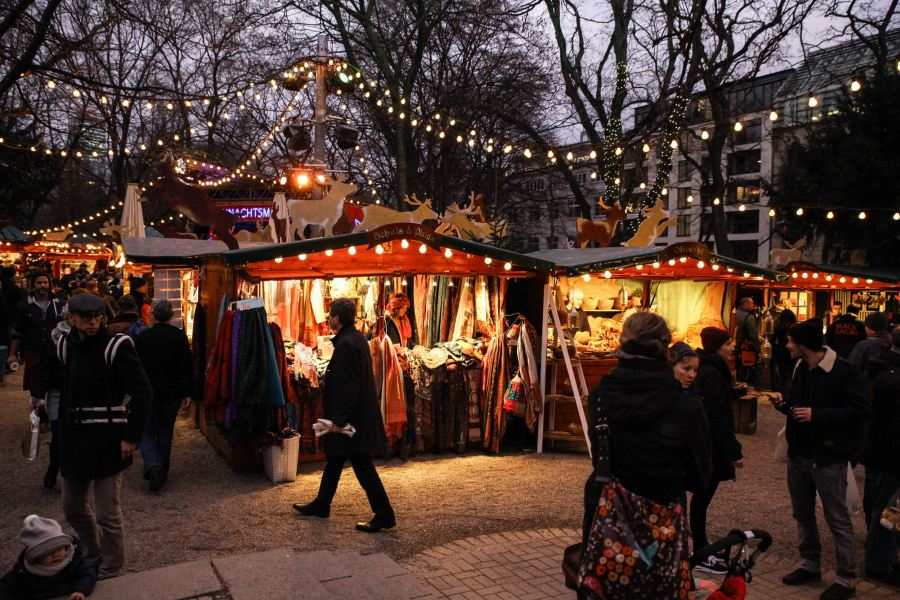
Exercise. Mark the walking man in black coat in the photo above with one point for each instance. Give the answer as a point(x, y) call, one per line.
point(166, 355)
point(105, 396)
point(350, 399)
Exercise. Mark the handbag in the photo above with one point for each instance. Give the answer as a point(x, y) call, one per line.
point(514, 401)
point(749, 357)
point(781, 446)
point(637, 548)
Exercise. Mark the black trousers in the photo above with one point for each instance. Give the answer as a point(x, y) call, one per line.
point(365, 472)
point(700, 502)
point(53, 467)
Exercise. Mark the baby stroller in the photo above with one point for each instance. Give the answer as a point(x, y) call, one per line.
point(750, 544)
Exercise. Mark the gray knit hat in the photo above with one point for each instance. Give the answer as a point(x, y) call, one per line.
point(42, 536)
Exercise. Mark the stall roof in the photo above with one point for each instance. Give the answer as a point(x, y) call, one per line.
point(382, 251)
point(811, 276)
point(11, 233)
point(170, 251)
point(686, 260)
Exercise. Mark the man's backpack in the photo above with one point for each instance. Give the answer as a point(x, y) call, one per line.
point(109, 354)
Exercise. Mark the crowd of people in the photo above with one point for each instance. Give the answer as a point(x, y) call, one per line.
point(109, 373)
point(662, 419)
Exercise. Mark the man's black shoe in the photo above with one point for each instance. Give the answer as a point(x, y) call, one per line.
point(837, 591)
point(157, 479)
point(800, 577)
point(377, 524)
point(312, 510)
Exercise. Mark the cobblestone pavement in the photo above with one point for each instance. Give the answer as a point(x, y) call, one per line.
point(525, 565)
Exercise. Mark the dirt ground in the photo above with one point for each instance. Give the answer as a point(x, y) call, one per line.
point(208, 510)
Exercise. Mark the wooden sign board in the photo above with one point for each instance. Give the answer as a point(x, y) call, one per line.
point(407, 231)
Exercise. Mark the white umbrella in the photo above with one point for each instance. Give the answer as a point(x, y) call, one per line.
point(132, 214)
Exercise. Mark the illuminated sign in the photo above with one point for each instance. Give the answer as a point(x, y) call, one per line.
point(250, 213)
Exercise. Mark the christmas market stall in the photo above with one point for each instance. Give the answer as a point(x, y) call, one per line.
point(596, 289)
point(171, 267)
point(448, 321)
point(827, 291)
point(63, 255)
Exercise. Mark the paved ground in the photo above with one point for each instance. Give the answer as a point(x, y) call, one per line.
point(210, 513)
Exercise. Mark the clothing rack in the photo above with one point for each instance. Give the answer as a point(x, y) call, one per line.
point(248, 304)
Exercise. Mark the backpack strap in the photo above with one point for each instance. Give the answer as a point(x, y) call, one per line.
point(62, 348)
point(112, 347)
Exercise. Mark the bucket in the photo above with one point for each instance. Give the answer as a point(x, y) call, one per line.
point(280, 461)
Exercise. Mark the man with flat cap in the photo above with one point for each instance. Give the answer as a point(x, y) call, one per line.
point(105, 395)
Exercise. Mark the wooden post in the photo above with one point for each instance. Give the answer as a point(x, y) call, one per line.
point(543, 379)
point(576, 387)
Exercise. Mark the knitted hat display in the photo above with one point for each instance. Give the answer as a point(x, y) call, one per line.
point(713, 338)
point(808, 334)
point(42, 536)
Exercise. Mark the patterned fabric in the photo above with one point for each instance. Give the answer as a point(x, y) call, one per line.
point(636, 549)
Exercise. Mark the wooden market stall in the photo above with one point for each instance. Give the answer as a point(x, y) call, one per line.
point(456, 355)
point(810, 290)
point(63, 255)
point(596, 289)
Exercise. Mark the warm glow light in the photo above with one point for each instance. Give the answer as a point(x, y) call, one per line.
point(379, 249)
point(586, 277)
point(646, 148)
point(639, 267)
point(843, 280)
point(862, 215)
point(815, 275)
point(868, 281)
point(771, 212)
point(301, 256)
point(507, 266)
point(746, 274)
point(690, 199)
point(488, 260)
point(351, 250)
point(855, 86)
point(799, 212)
point(674, 144)
point(448, 253)
point(279, 260)
point(329, 252)
point(704, 135)
point(813, 102)
point(671, 262)
point(897, 216)
point(715, 267)
point(829, 215)
point(738, 126)
point(805, 275)
point(773, 116)
point(716, 201)
point(655, 264)
point(700, 264)
point(618, 151)
point(302, 180)
point(423, 249)
point(404, 244)
point(607, 275)
point(856, 280)
point(742, 207)
point(828, 278)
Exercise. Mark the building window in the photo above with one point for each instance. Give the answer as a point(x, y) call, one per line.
point(536, 185)
point(552, 241)
point(744, 192)
point(746, 161)
point(685, 170)
point(750, 134)
point(743, 222)
point(745, 250)
point(684, 226)
point(683, 195)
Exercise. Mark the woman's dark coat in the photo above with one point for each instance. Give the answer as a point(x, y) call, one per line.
point(350, 397)
point(715, 389)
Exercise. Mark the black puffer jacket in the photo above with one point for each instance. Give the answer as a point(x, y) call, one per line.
point(882, 449)
point(79, 576)
point(713, 385)
point(659, 442)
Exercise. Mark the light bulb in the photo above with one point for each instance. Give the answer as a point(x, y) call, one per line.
point(607, 275)
point(700, 264)
point(279, 260)
point(404, 244)
point(488, 260)
point(646, 148)
point(771, 212)
point(448, 253)
point(716, 202)
point(897, 216)
point(586, 277)
point(329, 252)
point(655, 264)
point(738, 126)
point(423, 249)
point(704, 135)
point(379, 249)
point(674, 144)
point(351, 250)
point(507, 266)
point(618, 151)
point(773, 116)
point(813, 102)
point(800, 212)
point(855, 86)
point(690, 199)
point(742, 207)
point(862, 215)
point(527, 153)
point(671, 262)
point(829, 215)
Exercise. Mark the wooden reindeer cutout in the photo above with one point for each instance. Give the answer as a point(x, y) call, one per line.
point(656, 219)
point(325, 212)
point(376, 215)
point(193, 202)
point(600, 232)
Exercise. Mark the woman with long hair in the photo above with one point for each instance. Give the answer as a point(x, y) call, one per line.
point(649, 448)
